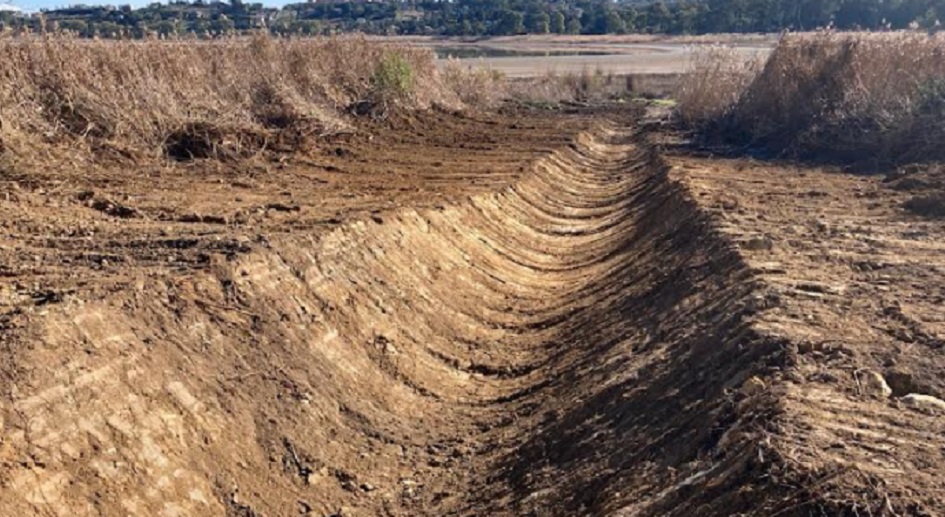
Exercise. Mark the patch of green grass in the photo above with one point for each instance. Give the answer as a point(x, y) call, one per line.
point(393, 77)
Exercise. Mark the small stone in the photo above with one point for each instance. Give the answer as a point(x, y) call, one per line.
point(873, 384)
point(923, 402)
point(367, 487)
point(752, 387)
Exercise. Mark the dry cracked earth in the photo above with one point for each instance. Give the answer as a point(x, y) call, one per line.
point(528, 313)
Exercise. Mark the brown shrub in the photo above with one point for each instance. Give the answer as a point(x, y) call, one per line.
point(482, 87)
point(717, 77)
point(149, 95)
point(554, 88)
point(475, 86)
point(840, 97)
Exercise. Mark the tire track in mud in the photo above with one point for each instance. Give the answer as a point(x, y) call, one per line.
point(568, 345)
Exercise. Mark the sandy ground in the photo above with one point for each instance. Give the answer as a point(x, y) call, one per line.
point(621, 55)
point(529, 313)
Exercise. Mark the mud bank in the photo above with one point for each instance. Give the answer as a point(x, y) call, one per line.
point(582, 341)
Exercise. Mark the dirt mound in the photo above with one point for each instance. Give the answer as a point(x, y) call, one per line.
point(558, 325)
point(925, 184)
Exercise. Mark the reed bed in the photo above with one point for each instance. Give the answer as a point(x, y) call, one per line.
point(832, 96)
point(190, 98)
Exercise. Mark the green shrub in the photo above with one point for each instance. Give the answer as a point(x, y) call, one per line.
point(393, 77)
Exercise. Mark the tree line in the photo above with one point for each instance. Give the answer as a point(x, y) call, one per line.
point(483, 17)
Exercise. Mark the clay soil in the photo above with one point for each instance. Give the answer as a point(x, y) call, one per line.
point(527, 313)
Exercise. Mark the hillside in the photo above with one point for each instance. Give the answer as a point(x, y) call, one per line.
point(478, 18)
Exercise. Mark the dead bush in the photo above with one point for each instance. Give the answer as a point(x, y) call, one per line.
point(553, 88)
point(183, 96)
point(716, 78)
point(473, 86)
point(838, 97)
point(199, 140)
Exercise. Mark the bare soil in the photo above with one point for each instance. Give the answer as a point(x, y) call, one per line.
point(528, 313)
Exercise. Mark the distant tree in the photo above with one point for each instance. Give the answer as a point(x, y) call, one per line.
point(630, 18)
point(558, 23)
point(539, 23)
point(574, 25)
point(593, 20)
point(658, 17)
point(80, 27)
point(199, 27)
point(165, 28)
point(222, 25)
point(306, 27)
point(480, 17)
point(510, 22)
point(929, 20)
point(613, 23)
point(684, 19)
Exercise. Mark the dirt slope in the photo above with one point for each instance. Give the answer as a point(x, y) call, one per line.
point(467, 316)
point(856, 282)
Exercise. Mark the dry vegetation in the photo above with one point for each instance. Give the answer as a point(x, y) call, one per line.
point(830, 96)
point(474, 86)
point(553, 88)
point(716, 80)
point(185, 99)
point(195, 98)
point(482, 87)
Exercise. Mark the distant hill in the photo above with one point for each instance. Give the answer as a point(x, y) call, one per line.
point(476, 18)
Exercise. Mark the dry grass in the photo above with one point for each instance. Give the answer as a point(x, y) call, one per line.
point(718, 76)
point(475, 86)
point(554, 88)
point(199, 98)
point(482, 87)
point(841, 97)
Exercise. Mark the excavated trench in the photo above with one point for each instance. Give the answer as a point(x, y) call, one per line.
point(567, 345)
